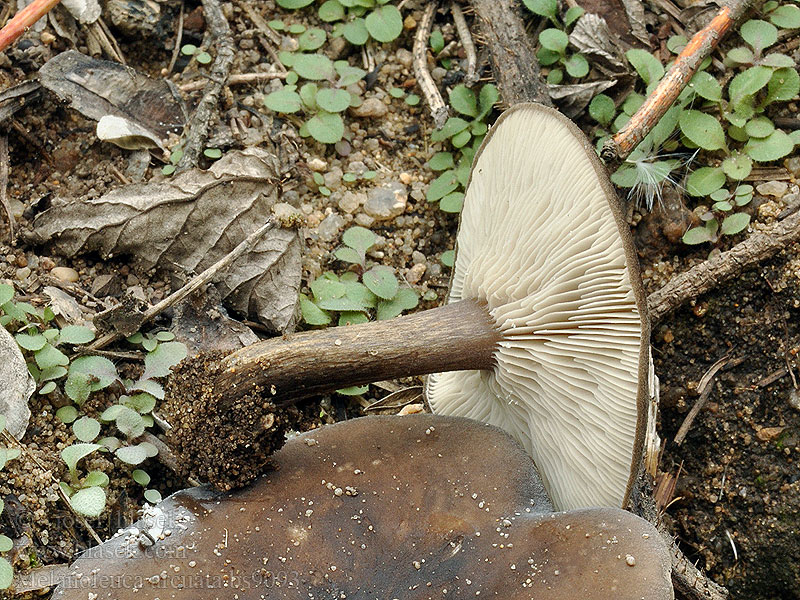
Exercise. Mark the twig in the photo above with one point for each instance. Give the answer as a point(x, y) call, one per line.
point(243, 248)
point(673, 83)
point(4, 185)
point(705, 276)
point(705, 386)
point(207, 107)
point(514, 64)
point(178, 39)
point(32, 141)
point(771, 378)
point(237, 79)
point(261, 24)
point(119, 175)
point(106, 40)
point(466, 42)
point(23, 20)
point(424, 79)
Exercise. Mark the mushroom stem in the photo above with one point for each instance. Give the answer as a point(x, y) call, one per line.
point(454, 337)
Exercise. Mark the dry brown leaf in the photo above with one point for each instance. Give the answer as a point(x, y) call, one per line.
point(189, 222)
point(17, 386)
point(592, 36)
point(573, 98)
point(767, 434)
point(150, 108)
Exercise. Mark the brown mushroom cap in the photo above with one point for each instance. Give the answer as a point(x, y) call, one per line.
point(381, 507)
point(543, 245)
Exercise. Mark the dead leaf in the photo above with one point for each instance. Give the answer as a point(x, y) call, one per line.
point(398, 399)
point(572, 99)
point(767, 434)
point(16, 388)
point(635, 11)
point(85, 11)
point(64, 307)
point(618, 17)
point(202, 324)
point(96, 88)
point(17, 97)
point(591, 36)
point(189, 222)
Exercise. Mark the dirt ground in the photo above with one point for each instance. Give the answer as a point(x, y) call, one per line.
point(736, 507)
point(739, 507)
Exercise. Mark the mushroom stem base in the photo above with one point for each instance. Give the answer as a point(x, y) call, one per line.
point(455, 337)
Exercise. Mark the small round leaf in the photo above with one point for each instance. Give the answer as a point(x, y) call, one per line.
point(734, 223)
point(140, 477)
point(132, 455)
point(554, 40)
point(705, 181)
point(384, 23)
point(380, 280)
point(89, 501)
point(702, 129)
point(86, 429)
point(314, 67)
point(283, 101)
point(333, 100)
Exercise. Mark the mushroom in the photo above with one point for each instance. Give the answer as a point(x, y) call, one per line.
point(409, 511)
point(545, 324)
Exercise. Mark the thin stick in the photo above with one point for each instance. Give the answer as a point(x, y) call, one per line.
point(178, 39)
point(243, 248)
point(707, 275)
point(673, 83)
point(426, 83)
point(208, 106)
point(514, 64)
point(705, 386)
point(4, 185)
point(237, 79)
point(23, 20)
point(466, 42)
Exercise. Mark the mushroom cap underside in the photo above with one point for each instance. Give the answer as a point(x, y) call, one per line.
point(543, 244)
point(409, 507)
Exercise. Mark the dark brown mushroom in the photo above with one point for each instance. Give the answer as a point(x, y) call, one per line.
point(380, 507)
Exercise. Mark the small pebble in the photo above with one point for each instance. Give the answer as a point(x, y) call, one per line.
point(370, 108)
point(317, 164)
point(630, 560)
point(415, 273)
point(794, 399)
point(404, 57)
point(350, 201)
point(773, 188)
point(23, 273)
point(329, 229)
point(65, 274)
point(333, 178)
point(793, 165)
point(386, 202)
point(364, 220)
